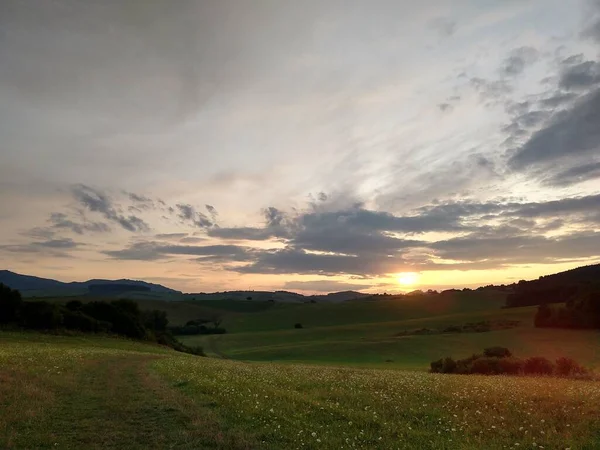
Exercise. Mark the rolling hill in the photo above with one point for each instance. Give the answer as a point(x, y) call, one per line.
point(42, 287)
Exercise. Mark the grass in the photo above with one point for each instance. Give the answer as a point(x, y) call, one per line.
point(283, 316)
point(377, 344)
point(73, 392)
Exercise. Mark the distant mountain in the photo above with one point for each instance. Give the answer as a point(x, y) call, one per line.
point(338, 297)
point(30, 285)
point(278, 296)
point(27, 282)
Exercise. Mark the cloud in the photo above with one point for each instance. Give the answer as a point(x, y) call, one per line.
point(96, 201)
point(574, 175)
point(187, 213)
point(53, 247)
point(61, 221)
point(444, 26)
point(580, 76)
point(572, 133)
point(324, 286)
point(518, 60)
point(150, 251)
point(168, 236)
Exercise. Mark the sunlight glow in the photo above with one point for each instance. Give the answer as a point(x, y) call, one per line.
point(408, 278)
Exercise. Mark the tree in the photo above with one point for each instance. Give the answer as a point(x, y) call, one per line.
point(10, 304)
point(216, 320)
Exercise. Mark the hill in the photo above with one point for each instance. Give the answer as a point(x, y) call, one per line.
point(278, 296)
point(42, 287)
point(95, 392)
point(556, 288)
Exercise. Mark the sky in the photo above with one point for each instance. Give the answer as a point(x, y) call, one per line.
point(312, 146)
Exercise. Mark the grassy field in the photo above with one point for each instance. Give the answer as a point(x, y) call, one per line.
point(378, 344)
point(72, 393)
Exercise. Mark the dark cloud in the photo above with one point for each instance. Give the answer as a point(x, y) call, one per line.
point(168, 236)
point(96, 201)
point(574, 175)
point(52, 247)
point(571, 133)
point(580, 76)
point(518, 60)
point(187, 213)
point(519, 249)
point(364, 243)
point(149, 251)
point(557, 99)
point(62, 221)
point(242, 233)
point(324, 286)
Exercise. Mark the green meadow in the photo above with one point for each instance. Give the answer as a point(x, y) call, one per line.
point(353, 377)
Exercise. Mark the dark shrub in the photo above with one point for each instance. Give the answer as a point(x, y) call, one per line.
point(155, 320)
point(510, 366)
point(122, 322)
point(486, 366)
point(10, 304)
point(537, 365)
point(436, 366)
point(40, 315)
point(497, 352)
point(74, 305)
point(567, 367)
point(448, 365)
point(128, 306)
point(76, 320)
point(543, 316)
point(298, 325)
point(453, 329)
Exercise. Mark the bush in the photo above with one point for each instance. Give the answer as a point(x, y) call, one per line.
point(76, 320)
point(537, 365)
point(493, 364)
point(486, 366)
point(41, 316)
point(74, 305)
point(298, 326)
point(567, 367)
point(497, 352)
point(119, 314)
point(448, 365)
point(436, 366)
point(510, 366)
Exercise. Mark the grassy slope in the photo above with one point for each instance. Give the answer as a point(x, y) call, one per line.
point(72, 393)
point(376, 344)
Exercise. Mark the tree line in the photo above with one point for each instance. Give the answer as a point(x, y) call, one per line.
point(121, 317)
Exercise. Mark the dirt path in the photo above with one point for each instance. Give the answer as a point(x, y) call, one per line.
point(118, 403)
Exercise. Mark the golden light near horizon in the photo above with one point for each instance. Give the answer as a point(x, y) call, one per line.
point(407, 278)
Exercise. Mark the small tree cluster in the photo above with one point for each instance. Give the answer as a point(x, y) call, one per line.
point(499, 361)
point(121, 317)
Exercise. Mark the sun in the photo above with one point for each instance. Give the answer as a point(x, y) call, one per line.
point(408, 278)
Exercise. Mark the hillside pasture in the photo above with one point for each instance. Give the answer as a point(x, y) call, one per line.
point(72, 393)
